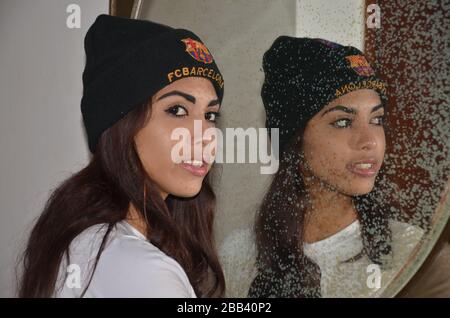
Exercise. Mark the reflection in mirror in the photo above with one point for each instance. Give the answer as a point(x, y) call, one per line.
point(358, 200)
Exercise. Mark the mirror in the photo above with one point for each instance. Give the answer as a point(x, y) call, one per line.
point(408, 46)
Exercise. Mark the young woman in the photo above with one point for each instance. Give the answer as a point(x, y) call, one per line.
point(135, 222)
point(323, 228)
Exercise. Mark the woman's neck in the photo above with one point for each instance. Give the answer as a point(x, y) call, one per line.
point(330, 211)
point(136, 220)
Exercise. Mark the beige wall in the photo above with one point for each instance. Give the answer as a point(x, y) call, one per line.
point(41, 136)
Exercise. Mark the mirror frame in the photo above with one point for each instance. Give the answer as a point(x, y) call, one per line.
point(122, 8)
point(442, 237)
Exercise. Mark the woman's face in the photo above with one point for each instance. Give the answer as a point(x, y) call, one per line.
point(177, 106)
point(344, 143)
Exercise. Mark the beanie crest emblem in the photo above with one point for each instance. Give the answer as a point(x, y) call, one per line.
point(360, 65)
point(198, 50)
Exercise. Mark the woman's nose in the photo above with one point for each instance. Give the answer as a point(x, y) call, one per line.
point(197, 130)
point(366, 139)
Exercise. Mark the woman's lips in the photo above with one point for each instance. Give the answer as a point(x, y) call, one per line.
point(197, 168)
point(364, 168)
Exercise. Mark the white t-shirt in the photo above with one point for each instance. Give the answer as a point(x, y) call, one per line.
point(129, 266)
point(357, 278)
point(338, 278)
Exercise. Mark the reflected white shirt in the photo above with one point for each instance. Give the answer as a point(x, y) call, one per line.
point(338, 278)
point(129, 266)
point(343, 278)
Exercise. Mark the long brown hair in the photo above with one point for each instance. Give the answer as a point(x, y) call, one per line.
point(101, 193)
point(283, 270)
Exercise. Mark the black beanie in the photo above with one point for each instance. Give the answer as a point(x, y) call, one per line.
point(128, 61)
point(303, 75)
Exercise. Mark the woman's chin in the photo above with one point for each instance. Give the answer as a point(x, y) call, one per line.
point(187, 191)
point(360, 189)
point(356, 187)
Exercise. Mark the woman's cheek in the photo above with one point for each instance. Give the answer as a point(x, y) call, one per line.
point(328, 160)
point(175, 179)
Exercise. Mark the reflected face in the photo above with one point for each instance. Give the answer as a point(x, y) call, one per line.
point(177, 106)
point(344, 144)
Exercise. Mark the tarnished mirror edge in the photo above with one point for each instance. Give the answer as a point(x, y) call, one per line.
point(439, 236)
point(428, 249)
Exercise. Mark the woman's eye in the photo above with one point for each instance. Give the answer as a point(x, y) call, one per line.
point(342, 123)
point(212, 116)
point(177, 110)
point(378, 120)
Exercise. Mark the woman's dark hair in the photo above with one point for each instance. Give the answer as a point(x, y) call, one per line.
point(101, 193)
point(283, 270)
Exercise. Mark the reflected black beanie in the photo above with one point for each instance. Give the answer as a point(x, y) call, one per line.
point(128, 61)
point(303, 75)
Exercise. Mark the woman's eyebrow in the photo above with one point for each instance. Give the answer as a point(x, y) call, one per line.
point(188, 97)
point(214, 103)
point(350, 110)
point(377, 108)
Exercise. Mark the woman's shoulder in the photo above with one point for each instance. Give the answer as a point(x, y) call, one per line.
point(405, 232)
point(129, 265)
point(406, 238)
point(147, 271)
point(89, 241)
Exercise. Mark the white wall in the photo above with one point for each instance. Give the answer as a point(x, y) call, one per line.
point(41, 136)
point(340, 21)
